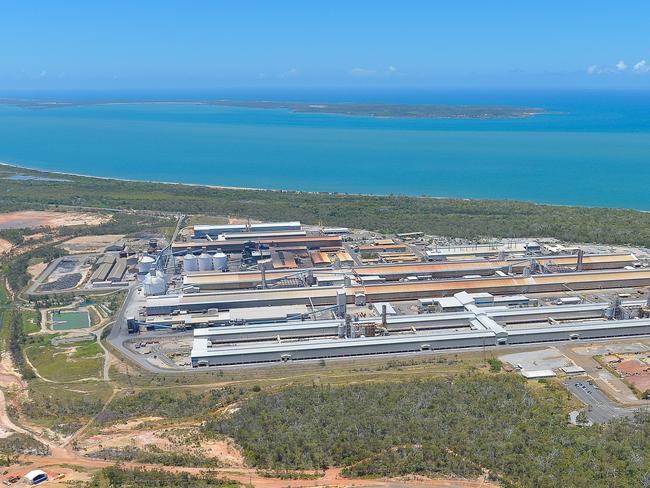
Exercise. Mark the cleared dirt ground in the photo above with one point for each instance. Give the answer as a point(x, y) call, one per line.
point(90, 243)
point(36, 269)
point(5, 246)
point(35, 219)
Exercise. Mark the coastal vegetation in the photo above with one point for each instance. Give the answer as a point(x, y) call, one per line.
point(15, 269)
point(167, 403)
point(461, 218)
point(121, 477)
point(459, 426)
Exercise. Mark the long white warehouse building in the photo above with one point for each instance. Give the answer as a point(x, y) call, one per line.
point(484, 332)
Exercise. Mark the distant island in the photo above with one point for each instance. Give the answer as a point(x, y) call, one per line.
point(386, 110)
point(378, 110)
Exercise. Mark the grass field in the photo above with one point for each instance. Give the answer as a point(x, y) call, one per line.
point(5, 331)
point(65, 363)
point(4, 299)
point(332, 372)
point(29, 321)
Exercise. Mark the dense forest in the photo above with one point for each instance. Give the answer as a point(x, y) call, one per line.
point(442, 216)
point(441, 427)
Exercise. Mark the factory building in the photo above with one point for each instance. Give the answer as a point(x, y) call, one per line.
point(391, 272)
point(202, 231)
point(238, 245)
point(111, 269)
point(317, 296)
point(204, 354)
point(485, 332)
point(119, 268)
point(482, 250)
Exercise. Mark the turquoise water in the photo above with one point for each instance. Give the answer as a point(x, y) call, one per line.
point(595, 151)
point(70, 320)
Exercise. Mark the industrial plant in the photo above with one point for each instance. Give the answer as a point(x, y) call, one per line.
point(244, 293)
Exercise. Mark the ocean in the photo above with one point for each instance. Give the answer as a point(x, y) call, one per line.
point(592, 150)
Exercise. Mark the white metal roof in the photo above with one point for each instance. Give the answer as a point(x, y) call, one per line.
point(253, 329)
point(540, 373)
point(34, 473)
point(200, 346)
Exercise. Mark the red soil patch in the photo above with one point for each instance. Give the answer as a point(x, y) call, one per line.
point(631, 367)
point(641, 383)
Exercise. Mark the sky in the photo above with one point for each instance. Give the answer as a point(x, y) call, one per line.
point(194, 45)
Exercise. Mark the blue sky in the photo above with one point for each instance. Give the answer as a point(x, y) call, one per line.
point(399, 44)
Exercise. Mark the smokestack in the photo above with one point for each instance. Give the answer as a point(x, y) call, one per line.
point(263, 275)
point(341, 302)
point(383, 315)
point(581, 254)
point(526, 272)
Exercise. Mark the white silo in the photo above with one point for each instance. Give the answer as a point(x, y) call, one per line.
point(146, 285)
point(154, 285)
point(145, 264)
point(190, 262)
point(220, 261)
point(205, 262)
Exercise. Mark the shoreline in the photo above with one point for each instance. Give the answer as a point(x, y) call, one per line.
point(273, 190)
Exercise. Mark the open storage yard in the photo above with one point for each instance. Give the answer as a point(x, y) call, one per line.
point(89, 244)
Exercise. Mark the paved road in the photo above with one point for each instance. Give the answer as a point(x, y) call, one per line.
point(600, 408)
point(119, 334)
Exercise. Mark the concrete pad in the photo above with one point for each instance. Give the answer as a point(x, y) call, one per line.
point(549, 358)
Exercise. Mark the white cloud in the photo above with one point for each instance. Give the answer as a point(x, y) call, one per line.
point(594, 70)
point(361, 72)
point(641, 67)
point(292, 73)
point(621, 66)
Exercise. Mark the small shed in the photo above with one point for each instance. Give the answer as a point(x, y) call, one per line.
point(36, 477)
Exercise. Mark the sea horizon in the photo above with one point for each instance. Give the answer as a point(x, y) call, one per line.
point(565, 157)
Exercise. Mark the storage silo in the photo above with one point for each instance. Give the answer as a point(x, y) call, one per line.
point(190, 262)
point(145, 264)
point(154, 285)
point(205, 262)
point(220, 261)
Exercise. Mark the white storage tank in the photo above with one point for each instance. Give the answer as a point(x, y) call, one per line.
point(154, 285)
point(146, 263)
point(220, 261)
point(190, 262)
point(205, 262)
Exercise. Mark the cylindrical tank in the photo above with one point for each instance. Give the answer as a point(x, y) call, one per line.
point(190, 262)
point(146, 263)
point(154, 285)
point(220, 261)
point(205, 262)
